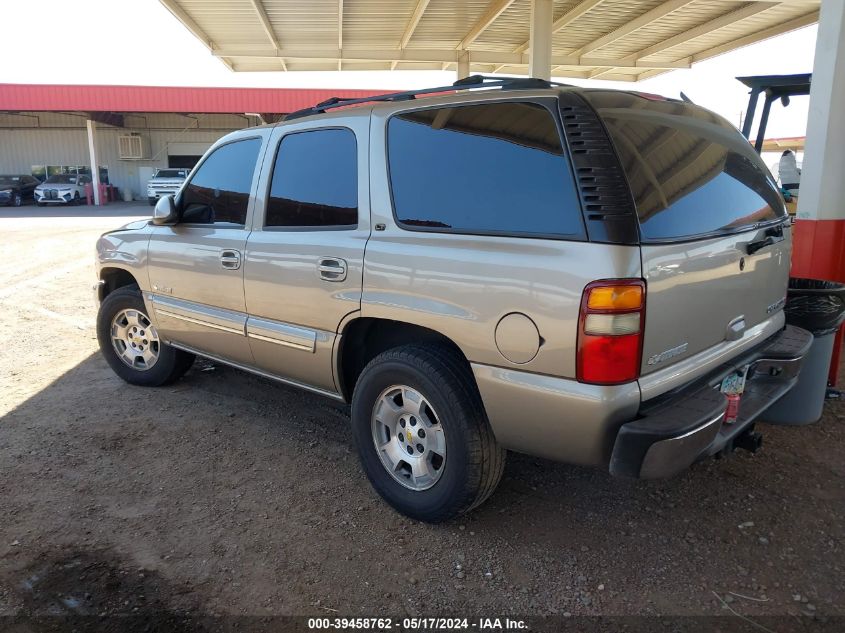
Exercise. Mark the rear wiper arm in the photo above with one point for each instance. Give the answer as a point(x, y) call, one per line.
point(773, 236)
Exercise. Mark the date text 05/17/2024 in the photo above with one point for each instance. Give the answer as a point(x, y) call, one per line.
point(417, 624)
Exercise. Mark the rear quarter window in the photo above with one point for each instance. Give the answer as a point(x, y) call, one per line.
point(493, 168)
point(691, 172)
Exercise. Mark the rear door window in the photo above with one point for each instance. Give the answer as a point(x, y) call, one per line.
point(494, 168)
point(315, 181)
point(691, 172)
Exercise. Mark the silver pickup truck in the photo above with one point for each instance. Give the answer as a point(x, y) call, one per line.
point(590, 276)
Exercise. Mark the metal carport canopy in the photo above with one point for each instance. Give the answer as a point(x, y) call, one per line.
point(624, 40)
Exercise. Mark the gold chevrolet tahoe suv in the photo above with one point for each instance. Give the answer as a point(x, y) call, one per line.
point(590, 276)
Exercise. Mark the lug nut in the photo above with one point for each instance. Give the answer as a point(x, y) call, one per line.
point(402, 423)
point(420, 448)
point(413, 421)
point(410, 450)
point(421, 433)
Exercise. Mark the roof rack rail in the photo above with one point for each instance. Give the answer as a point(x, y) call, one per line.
point(468, 83)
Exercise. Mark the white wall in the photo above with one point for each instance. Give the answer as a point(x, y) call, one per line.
point(47, 138)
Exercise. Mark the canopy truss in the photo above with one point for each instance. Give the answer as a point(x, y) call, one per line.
point(608, 39)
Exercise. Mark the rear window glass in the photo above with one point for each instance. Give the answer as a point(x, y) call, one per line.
point(691, 172)
point(496, 168)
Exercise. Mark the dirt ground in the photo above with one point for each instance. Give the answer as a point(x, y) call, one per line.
point(228, 494)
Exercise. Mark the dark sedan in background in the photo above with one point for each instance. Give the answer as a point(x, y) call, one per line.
point(16, 189)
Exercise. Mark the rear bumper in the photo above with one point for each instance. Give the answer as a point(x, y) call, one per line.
point(670, 434)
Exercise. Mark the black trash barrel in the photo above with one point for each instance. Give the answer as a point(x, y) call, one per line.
point(817, 306)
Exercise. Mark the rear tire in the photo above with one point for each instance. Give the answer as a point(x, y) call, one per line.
point(472, 461)
point(157, 363)
point(18, 200)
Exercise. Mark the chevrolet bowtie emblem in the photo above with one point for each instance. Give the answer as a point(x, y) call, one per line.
point(410, 437)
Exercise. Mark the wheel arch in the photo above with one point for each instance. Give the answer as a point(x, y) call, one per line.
point(364, 338)
point(114, 278)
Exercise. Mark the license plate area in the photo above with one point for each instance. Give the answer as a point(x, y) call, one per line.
point(734, 383)
point(733, 386)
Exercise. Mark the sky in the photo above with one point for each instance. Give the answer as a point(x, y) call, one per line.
point(139, 42)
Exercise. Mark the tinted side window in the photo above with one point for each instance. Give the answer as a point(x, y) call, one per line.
point(690, 171)
point(315, 180)
point(491, 168)
point(219, 191)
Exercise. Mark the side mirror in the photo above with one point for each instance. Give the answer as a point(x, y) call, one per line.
point(165, 211)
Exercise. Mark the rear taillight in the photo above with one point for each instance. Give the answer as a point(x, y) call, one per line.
point(610, 331)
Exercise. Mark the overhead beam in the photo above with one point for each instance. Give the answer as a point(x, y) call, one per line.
point(708, 27)
point(494, 11)
point(108, 118)
point(567, 18)
point(416, 16)
point(188, 22)
point(442, 56)
point(340, 31)
point(754, 8)
point(268, 28)
point(656, 13)
point(759, 36)
point(598, 74)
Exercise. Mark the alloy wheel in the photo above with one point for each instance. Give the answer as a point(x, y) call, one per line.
point(408, 437)
point(135, 339)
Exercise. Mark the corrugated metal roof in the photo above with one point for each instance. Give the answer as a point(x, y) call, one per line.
point(612, 39)
point(87, 98)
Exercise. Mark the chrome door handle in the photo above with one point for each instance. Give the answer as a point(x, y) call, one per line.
point(331, 269)
point(230, 259)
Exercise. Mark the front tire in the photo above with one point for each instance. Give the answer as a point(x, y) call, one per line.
point(130, 344)
point(451, 469)
point(18, 200)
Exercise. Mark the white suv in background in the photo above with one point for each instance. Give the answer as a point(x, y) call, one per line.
point(166, 182)
point(62, 189)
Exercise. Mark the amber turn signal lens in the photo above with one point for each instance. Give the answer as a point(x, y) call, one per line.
point(629, 297)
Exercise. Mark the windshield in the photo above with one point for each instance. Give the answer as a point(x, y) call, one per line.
point(9, 180)
point(63, 179)
point(171, 173)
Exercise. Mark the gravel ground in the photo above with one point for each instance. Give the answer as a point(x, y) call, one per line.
point(228, 494)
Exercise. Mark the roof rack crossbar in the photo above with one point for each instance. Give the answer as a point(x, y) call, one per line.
point(468, 83)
